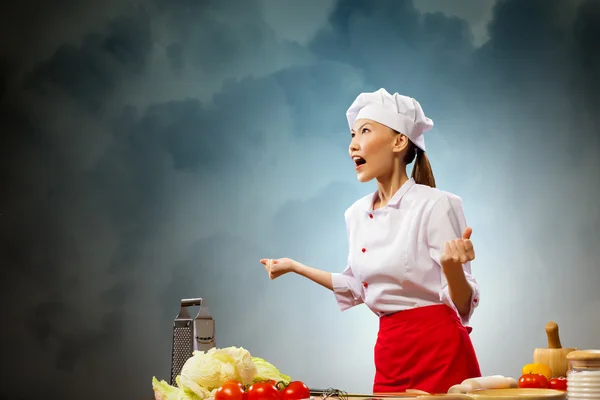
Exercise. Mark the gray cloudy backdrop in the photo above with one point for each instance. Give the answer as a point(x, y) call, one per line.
point(154, 150)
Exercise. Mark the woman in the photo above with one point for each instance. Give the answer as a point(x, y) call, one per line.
point(410, 253)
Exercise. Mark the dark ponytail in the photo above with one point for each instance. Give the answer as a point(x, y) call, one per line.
point(421, 173)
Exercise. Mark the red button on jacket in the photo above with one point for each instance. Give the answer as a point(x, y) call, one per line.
point(371, 216)
point(363, 249)
point(365, 284)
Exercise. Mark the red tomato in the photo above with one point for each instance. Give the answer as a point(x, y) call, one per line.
point(234, 382)
point(263, 391)
point(559, 383)
point(535, 381)
point(295, 391)
point(231, 390)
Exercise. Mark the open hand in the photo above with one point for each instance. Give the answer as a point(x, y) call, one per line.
point(458, 251)
point(278, 267)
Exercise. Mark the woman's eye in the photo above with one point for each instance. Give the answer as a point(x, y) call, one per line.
point(365, 130)
point(352, 134)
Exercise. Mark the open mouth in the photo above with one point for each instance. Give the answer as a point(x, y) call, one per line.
point(359, 161)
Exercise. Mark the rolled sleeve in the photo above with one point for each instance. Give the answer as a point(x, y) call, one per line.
point(446, 299)
point(447, 222)
point(346, 288)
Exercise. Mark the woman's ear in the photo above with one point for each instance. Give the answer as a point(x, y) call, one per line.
point(400, 143)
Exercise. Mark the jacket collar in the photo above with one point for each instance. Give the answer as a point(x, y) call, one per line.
point(395, 200)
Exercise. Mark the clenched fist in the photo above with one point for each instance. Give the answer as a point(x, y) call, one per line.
point(278, 267)
point(458, 251)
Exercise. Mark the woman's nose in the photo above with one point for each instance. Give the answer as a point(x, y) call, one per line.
point(354, 145)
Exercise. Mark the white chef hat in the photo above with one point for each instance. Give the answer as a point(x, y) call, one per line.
point(401, 113)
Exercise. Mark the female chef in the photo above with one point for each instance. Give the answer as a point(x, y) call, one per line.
point(410, 253)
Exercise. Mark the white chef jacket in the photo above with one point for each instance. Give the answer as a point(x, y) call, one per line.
point(394, 251)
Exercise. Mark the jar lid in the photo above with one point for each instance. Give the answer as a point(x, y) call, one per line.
point(584, 355)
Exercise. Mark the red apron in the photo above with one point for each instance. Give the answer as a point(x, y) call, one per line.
point(425, 348)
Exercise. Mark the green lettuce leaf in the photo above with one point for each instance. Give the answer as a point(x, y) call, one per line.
point(266, 371)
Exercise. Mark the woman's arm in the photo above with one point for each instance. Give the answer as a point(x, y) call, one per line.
point(456, 253)
point(447, 224)
point(347, 290)
point(459, 287)
point(323, 278)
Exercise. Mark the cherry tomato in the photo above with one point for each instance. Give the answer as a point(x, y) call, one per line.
point(234, 382)
point(263, 391)
point(231, 390)
point(559, 383)
point(295, 391)
point(535, 381)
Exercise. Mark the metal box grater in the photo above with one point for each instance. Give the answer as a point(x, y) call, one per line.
point(190, 334)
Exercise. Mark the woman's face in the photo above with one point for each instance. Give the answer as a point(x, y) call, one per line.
point(373, 148)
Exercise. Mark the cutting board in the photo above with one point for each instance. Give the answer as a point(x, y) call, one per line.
point(404, 396)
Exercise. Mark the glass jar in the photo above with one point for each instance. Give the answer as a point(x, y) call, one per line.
point(583, 376)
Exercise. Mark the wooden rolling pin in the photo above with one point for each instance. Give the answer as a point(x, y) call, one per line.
point(555, 356)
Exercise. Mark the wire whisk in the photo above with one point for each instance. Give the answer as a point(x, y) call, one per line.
point(332, 393)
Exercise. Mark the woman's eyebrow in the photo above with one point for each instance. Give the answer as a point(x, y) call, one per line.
point(362, 126)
